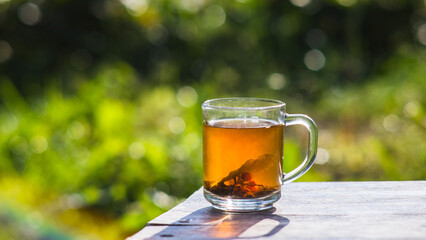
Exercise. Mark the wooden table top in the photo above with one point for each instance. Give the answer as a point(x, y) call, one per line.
point(306, 210)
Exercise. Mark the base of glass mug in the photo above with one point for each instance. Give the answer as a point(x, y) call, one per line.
point(242, 205)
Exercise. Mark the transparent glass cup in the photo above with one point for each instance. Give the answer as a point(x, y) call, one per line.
point(243, 141)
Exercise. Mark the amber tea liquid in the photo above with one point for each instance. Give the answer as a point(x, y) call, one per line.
point(242, 157)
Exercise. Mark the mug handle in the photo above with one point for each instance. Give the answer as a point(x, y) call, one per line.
point(300, 119)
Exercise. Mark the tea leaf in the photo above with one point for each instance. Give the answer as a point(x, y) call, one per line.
point(257, 165)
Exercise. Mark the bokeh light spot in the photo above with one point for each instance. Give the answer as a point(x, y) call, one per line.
point(214, 16)
point(300, 3)
point(177, 125)
point(276, 81)
point(162, 199)
point(73, 201)
point(29, 14)
point(5, 51)
point(187, 96)
point(82, 155)
point(192, 5)
point(38, 144)
point(392, 123)
point(421, 34)
point(76, 130)
point(412, 109)
point(9, 123)
point(136, 150)
point(314, 60)
point(322, 156)
point(135, 7)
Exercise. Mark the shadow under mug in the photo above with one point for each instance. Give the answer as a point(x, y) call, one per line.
point(243, 141)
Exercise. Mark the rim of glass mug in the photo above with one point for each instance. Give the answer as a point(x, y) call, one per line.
point(224, 101)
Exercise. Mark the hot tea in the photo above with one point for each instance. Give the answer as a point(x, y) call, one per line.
point(243, 152)
point(242, 157)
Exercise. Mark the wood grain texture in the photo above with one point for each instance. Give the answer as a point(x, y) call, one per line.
point(317, 210)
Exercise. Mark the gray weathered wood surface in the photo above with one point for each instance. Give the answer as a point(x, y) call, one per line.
point(317, 210)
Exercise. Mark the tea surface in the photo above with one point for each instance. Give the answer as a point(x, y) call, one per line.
point(242, 157)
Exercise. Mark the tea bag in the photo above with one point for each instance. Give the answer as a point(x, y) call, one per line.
point(257, 165)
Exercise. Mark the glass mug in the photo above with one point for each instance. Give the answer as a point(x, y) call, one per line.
point(243, 141)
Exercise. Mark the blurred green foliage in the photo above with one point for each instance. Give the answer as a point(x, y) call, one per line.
point(100, 119)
